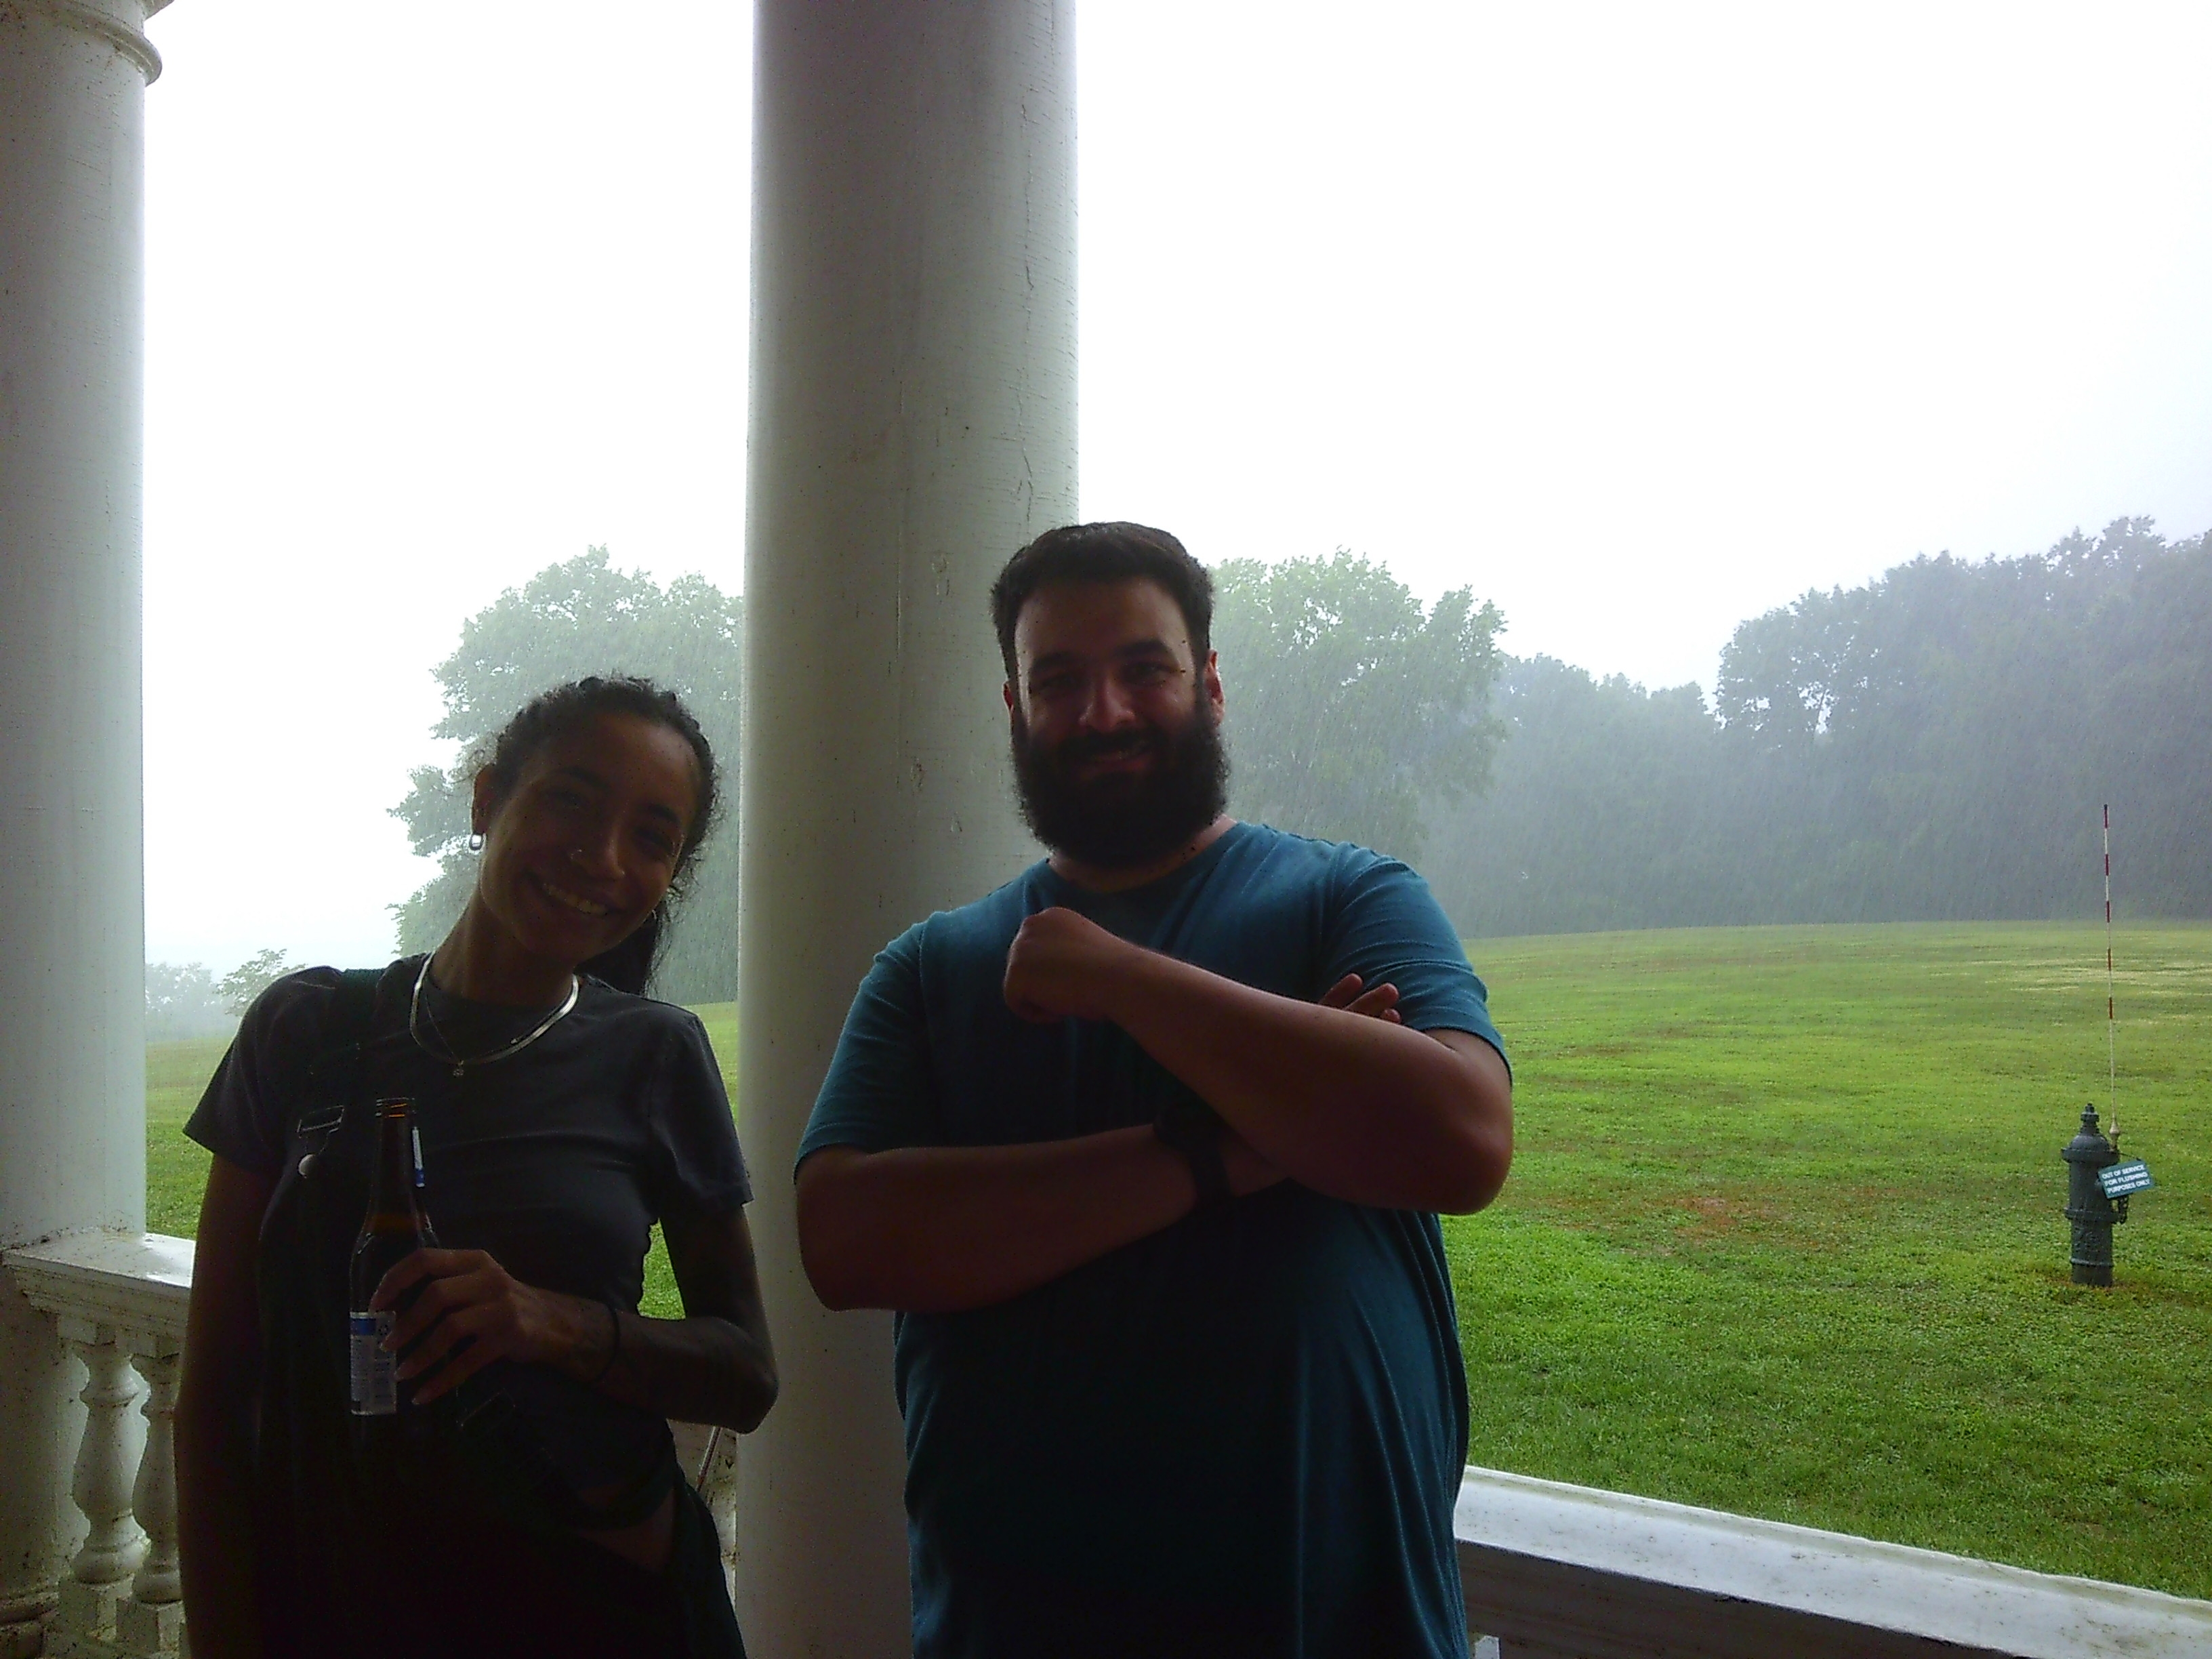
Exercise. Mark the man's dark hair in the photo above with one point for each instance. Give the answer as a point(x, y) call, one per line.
point(1104, 553)
point(554, 715)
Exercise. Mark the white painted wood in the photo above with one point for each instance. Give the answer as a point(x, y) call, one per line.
point(122, 1298)
point(153, 1498)
point(138, 1286)
point(24, 1638)
point(709, 1457)
point(135, 1288)
point(1558, 1569)
point(106, 1461)
point(913, 425)
point(149, 1630)
point(73, 78)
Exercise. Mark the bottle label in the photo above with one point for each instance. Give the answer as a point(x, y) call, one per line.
point(375, 1381)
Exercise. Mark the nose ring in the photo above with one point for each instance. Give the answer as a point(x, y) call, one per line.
point(576, 854)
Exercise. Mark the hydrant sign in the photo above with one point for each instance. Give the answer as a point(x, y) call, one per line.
point(2119, 1180)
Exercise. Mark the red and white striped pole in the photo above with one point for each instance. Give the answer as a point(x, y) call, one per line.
point(2111, 1018)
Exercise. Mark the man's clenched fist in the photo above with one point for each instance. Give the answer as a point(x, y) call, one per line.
point(1062, 966)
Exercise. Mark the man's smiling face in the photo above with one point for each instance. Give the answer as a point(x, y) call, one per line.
point(1116, 727)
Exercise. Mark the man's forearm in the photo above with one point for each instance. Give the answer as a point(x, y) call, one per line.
point(938, 1229)
point(1356, 1108)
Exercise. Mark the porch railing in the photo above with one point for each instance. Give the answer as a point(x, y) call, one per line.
point(117, 1301)
point(1552, 1571)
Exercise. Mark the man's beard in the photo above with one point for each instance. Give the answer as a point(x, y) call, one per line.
point(1116, 820)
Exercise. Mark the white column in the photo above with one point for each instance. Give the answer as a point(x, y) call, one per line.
point(73, 77)
point(913, 422)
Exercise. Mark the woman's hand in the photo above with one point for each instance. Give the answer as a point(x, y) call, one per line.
point(459, 1311)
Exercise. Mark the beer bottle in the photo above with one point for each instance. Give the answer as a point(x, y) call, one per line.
point(394, 1228)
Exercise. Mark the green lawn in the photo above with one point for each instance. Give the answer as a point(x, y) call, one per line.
point(1783, 1235)
point(177, 1074)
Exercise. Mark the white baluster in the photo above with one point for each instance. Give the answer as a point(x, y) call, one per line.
point(102, 1488)
point(718, 1485)
point(152, 1620)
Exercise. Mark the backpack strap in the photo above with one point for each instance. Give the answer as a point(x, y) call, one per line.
point(334, 1072)
point(352, 1012)
point(304, 1474)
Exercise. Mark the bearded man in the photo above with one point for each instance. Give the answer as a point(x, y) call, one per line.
point(1147, 1148)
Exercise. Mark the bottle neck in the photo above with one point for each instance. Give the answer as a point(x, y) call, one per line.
point(393, 1193)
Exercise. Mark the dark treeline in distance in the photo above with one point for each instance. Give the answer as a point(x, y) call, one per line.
point(185, 999)
point(1935, 745)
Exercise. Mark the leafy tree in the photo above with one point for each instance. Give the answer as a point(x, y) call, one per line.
point(1943, 737)
point(1606, 809)
point(583, 616)
point(183, 1000)
point(252, 977)
point(1351, 709)
point(1935, 745)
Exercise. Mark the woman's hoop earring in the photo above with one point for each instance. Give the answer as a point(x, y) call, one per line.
point(475, 840)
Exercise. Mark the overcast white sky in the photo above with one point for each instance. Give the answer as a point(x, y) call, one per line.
point(1640, 320)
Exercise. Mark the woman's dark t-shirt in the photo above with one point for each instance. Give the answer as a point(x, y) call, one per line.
point(556, 1162)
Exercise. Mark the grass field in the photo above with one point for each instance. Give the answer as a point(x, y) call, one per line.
point(1783, 1237)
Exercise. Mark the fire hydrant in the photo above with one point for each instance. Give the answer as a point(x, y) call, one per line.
point(2092, 1214)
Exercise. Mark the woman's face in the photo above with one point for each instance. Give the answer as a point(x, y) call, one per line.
point(586, 842)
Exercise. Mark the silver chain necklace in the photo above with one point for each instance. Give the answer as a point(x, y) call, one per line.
point(459, 1063)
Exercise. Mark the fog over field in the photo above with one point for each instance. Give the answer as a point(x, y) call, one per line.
point(1640, 326)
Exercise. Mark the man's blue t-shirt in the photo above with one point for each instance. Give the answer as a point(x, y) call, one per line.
point(1241, 1435)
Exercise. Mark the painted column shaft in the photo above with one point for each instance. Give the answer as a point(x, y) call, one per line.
point(913, 422)
point(72, 930)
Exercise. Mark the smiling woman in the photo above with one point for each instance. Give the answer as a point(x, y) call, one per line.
point(589, 811)
point(529, 1496)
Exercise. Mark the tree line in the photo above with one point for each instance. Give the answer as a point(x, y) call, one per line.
point(186, 999)
point(1936, 745)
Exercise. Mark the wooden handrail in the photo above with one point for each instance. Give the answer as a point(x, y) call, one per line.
point(1552, 1569)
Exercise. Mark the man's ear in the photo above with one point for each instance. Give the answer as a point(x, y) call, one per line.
point(1210, 677)
point(1006, 691)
